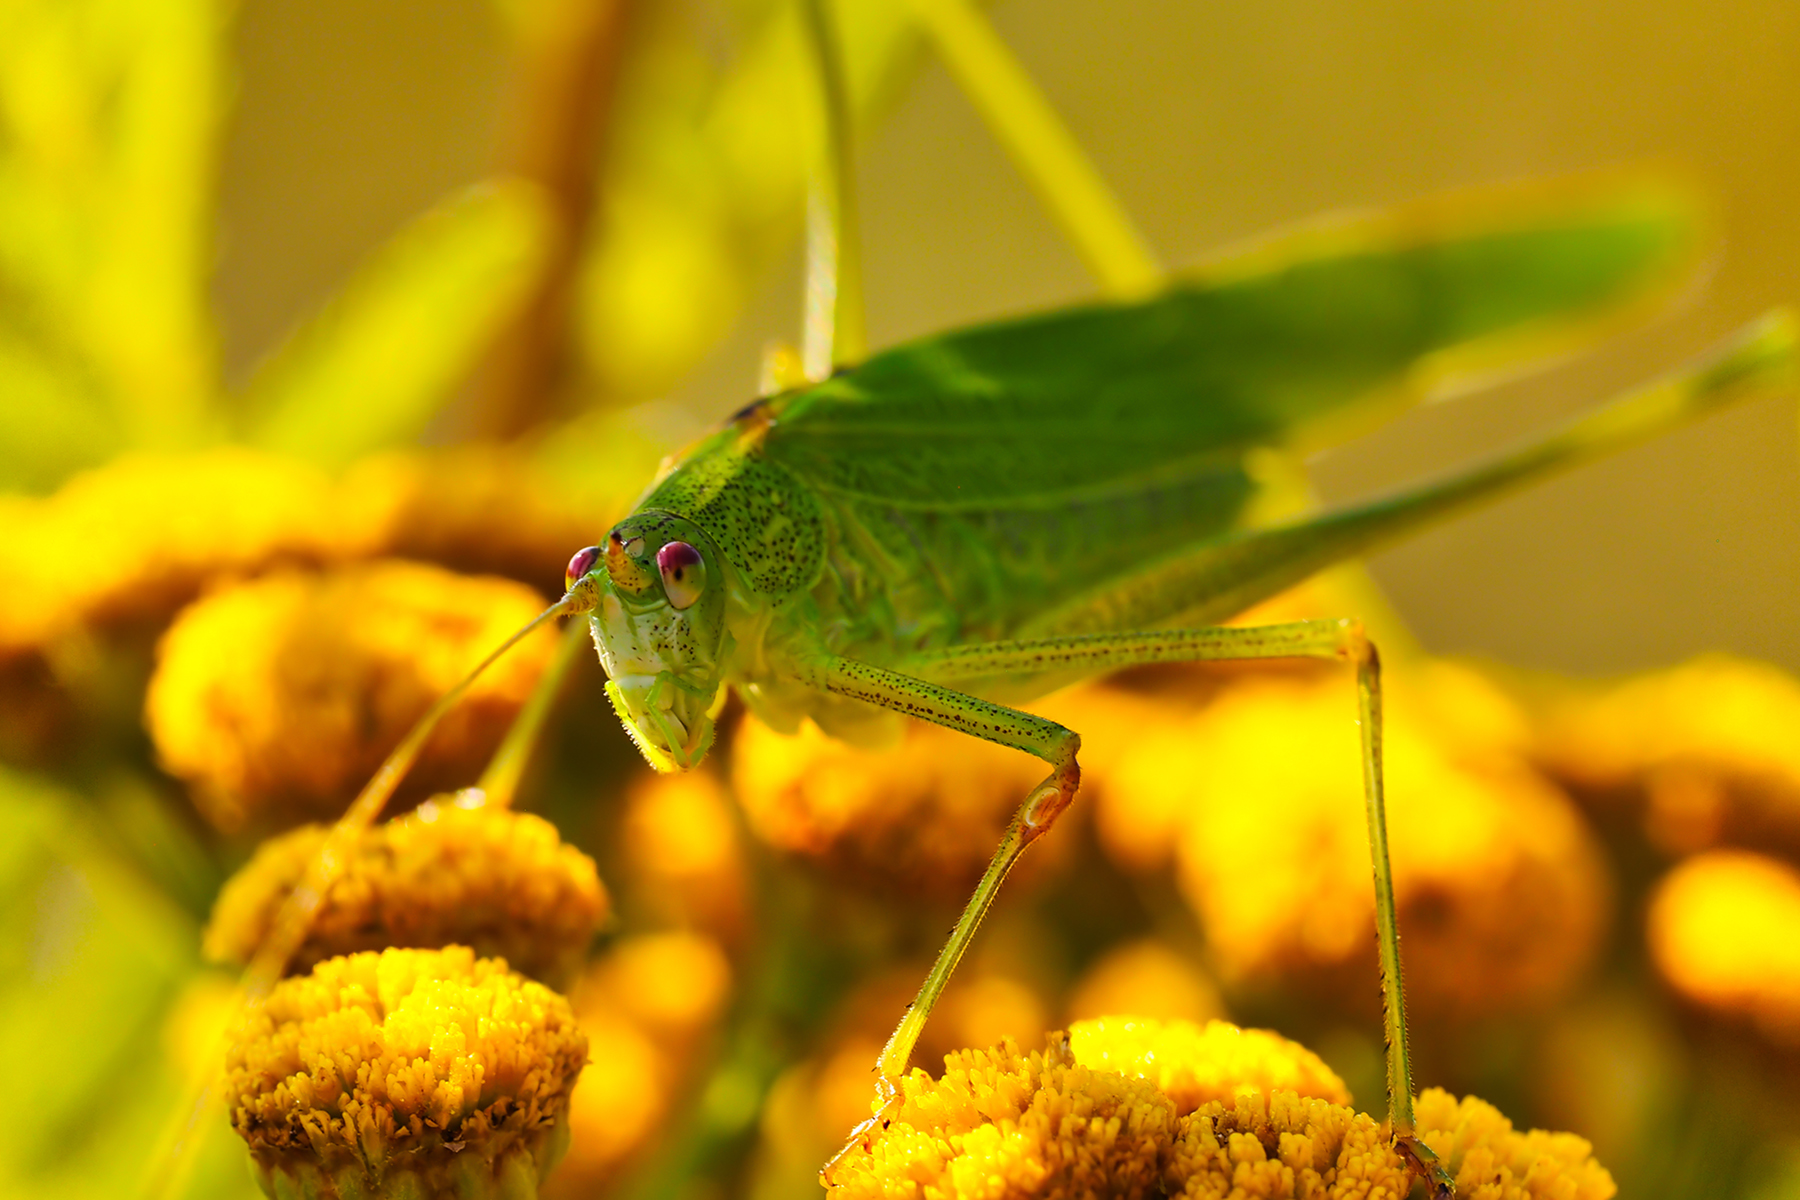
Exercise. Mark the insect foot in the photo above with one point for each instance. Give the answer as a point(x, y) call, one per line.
point(1047, 803)
point(863, 1137)
point(1424, 1163)
point(1133, 1108)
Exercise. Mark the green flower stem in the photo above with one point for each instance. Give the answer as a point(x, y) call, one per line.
point(500, 782)
point(1042, 148)
point(833, 335)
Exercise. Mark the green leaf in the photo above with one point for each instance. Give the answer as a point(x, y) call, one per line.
point(373, 368)
point(109, 111)
point(91, 955)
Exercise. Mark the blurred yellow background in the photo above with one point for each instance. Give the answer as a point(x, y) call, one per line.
point(226, 598)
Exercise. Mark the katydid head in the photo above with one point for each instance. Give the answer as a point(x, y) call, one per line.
point(655, 595)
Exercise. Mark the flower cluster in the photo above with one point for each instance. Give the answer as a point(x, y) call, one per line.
point(276, 698)
point(922, 816)
point(1704, 752)
point(1501, 888)
point(680, 832)
point(1089, 1116)
point(144, 534)
point(646, 1007)
point(499, 881)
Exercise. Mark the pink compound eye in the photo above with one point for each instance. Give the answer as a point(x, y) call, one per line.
point(683, 573)
point(580, 565)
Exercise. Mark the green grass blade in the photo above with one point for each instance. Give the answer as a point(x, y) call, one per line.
point(1216, 581)
point(377, 363)
point(107, 161)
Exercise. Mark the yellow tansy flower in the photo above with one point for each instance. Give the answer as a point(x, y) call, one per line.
point(1725, 932)
point(645, 1006)
point(1196, 1064)
point(1707, 748)
point(1283, 1146)
point(923, 816)
point(1064, 1123)
point(1502, 891)
point(478, 508)
point(277, 698)
point(681, 837)
point(999, 1123)
point(1145, 977)
point(1280, 1146)
point(500, 881)
point(408, 1073)
point(140, 536)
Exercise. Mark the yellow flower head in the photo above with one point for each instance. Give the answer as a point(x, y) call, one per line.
point(1707, 747)
point(1501, 888)
point(499, 881)
point(141, 535)
point(405, 1073)
point(923, 816)
point(1725, 932)
point(1197, 1064)
point(1004, 1124)
point(278, 697)
point(1086, 1118)
point(479, 508)
point(1280, 1146)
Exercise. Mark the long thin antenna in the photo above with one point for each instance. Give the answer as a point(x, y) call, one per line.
point(173, 1164)
point(294, 921)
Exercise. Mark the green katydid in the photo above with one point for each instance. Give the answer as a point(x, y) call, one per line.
point(966, 522)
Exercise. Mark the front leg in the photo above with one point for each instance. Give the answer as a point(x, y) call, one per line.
point(1340, 640)
point(991, 722)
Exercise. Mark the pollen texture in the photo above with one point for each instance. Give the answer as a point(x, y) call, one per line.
point(405, 1073)
point(1197, 1064)
point(1003, 1123)
point(1056, 1123)
point(499, 881)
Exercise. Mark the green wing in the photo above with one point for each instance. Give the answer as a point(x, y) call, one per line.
point(976, 480)
point(1298, 341)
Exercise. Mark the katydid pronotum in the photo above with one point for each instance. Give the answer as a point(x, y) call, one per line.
point(963, 523)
